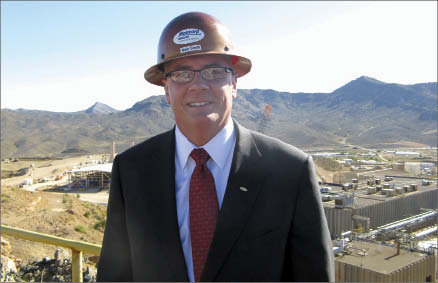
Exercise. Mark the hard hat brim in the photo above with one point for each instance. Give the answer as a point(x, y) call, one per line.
point(155, 75)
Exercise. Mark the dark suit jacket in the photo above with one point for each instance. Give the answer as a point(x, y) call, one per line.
point(274, 231)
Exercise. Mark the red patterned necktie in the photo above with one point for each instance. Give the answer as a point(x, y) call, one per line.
point(203, 210)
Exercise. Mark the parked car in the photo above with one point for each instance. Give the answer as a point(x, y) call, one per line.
point(426, 182)
point(325, 189)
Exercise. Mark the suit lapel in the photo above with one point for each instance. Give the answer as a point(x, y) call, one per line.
point(164, 194)
point(244, 183)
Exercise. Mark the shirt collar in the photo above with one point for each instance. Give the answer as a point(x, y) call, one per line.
point(218, 147)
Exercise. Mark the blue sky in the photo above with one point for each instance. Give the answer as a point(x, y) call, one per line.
point(64, 56)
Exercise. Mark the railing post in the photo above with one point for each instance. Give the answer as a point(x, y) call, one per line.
point(76, 246)
point(76, 265)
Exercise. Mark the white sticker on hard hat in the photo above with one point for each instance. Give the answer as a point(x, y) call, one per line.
point(188, 36)
point(190, 48)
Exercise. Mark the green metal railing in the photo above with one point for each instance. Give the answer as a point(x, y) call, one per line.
point(77, 247)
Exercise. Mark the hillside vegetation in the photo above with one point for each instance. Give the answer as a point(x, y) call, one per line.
point(58, 214)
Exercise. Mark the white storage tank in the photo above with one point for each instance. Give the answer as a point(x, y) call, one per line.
point(371, 190)
point(388, 192)
point(326, 198)
point(414, 187)
point(28, 182)
point(342, 201)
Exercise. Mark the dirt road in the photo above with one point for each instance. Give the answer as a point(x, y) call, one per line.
point(43, 168)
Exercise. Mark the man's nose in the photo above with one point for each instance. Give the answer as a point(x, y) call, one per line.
point(198, 82)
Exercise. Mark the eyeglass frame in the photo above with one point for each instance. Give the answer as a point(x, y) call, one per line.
point(227, 70)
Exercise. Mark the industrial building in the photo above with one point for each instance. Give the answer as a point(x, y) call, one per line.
point(371, 262)
point(402, 251)
point(96, 176)
point(381, 206)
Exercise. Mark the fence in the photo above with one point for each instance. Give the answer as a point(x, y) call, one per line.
point(77, 247)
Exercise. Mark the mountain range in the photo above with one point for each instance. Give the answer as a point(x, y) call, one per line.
point(365, 112)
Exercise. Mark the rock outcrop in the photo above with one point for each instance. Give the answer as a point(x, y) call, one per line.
point(57, 269)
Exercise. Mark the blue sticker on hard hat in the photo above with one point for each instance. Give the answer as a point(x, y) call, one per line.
point(190, 48)
point(188, 36)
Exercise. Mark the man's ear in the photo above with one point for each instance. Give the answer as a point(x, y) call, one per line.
point(166, 90)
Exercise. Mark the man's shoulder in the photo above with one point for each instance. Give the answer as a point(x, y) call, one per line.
point(149, 146)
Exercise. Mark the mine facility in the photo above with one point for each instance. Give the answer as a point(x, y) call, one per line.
point(382, 213)
point(363, 261)
point(96, 176)
point(402, 251)
point(378, 205)
point(384, 228)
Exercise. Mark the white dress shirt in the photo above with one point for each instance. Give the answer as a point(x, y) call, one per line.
point(221, 149)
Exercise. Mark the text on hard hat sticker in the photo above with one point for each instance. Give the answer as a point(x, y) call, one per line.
point(188, 36)
point(190, 48)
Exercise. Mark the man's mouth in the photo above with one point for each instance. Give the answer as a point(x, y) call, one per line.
point(198, 104)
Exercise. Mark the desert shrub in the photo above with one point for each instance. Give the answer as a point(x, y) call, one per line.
point(5, 198)
point(100, 225)
point(80, 229)
point(66, 198)
point(87, 205)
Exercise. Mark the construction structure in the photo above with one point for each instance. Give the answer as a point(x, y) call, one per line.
point(113, 151)
point(266, 116)
point(96, 176)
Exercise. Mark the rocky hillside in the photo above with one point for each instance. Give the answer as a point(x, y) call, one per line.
point(363, 112)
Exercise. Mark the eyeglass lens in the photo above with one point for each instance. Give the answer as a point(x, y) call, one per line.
point(211, 73)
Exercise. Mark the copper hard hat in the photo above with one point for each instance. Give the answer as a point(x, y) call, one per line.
point(193, 34)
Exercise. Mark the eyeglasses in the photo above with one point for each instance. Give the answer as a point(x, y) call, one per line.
point(209, 74)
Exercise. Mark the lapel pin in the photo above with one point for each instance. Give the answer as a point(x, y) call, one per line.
point(243, 189)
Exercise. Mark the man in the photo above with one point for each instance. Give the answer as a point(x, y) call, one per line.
point(210, 200)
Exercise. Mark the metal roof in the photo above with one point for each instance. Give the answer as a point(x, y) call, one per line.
point(106, 167)
point(380, 258)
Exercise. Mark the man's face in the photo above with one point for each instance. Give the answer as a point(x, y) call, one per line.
point(200, 103)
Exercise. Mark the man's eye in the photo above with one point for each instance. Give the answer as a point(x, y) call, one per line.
point(217, 71)
point(181, 74)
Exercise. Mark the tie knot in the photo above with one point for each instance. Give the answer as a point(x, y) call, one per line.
point(200, 156)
